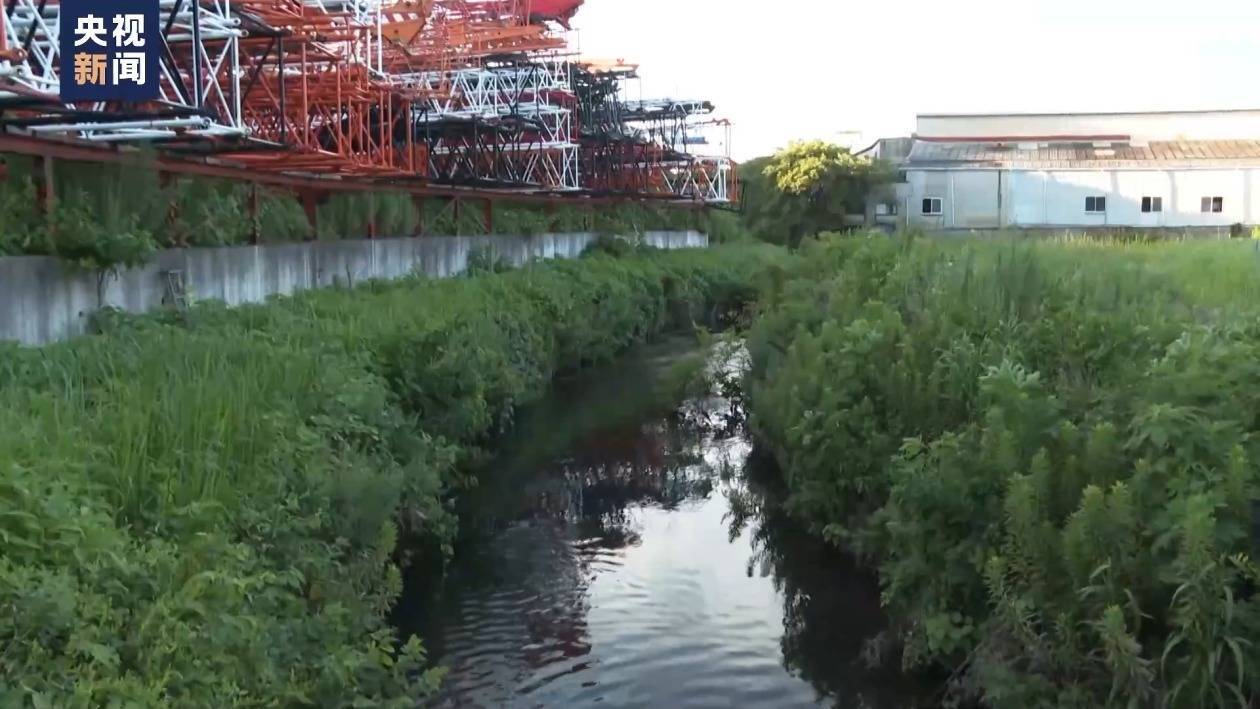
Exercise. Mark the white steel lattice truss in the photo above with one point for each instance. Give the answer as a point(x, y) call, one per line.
point(672, 123)
point(363, 13)
point(522, 116)
point(199, 87)
point(534, 93)
point(702, 179)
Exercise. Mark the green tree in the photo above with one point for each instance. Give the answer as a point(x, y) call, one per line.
point(806, 188)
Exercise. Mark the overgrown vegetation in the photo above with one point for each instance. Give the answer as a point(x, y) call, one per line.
point(805, 189)
point(361, 213)
point(1049, 450)
point(208, 508)
point(111, 216)
point(107, 217)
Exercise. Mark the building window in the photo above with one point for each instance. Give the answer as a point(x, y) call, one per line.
point(1095, 205)
point(933, 206)
point(1212, 204)
point(1152, 204)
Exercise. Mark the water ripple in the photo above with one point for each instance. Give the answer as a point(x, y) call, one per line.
point(637, 570)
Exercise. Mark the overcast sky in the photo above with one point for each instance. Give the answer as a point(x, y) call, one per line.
point(784, 69)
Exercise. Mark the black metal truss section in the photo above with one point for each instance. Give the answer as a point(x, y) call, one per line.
point(480, 152)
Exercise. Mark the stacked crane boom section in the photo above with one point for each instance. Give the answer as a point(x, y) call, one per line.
point(470, 93)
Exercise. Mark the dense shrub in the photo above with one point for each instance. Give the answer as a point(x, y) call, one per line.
point(108, 216)
point(280, 217)
point(206, 509)
point(355, 214)
point(206, 213)
point(1048, 449)
point(21, 229)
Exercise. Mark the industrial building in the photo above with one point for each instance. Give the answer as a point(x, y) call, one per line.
point(1174, 169)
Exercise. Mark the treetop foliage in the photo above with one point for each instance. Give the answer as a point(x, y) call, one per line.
point(805, 189)
point(806, 167)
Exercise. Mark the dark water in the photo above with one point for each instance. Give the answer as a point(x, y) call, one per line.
point(622, 553)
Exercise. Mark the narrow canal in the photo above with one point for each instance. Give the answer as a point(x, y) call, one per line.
point(620, 551)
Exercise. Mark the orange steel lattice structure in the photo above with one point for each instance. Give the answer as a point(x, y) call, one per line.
point(311, 102)
point(466, 93)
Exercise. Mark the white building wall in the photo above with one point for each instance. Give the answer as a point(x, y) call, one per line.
point(1252, 179)
point(1131, 187)
point(1191, 186)
point(975, 199)
point(1065, 192)
point(928, 183)
point(1027, 198)
point(983, 199)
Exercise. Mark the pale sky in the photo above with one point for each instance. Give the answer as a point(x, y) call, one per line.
point(785, 69)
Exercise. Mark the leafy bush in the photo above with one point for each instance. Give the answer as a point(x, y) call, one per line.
point(805, 189)
point(281, 218)
point(208, 508)
point(521, 219)
point(206, 213)
point(76, 234)
point(131, 211)
point(484, 260)
point(610, 245)
point(724, 227)
point(1048, 449)
point(352, 215)
point(21, 224)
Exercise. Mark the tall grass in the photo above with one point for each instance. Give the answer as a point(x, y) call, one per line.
point(1047, 448)
point(203, 509)
point(390, 214)
point(110, 215)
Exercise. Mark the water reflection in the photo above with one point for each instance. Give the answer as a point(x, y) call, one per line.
point(830, 604)
point(622, 552)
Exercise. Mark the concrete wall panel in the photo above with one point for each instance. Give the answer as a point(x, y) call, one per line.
point(42, 300)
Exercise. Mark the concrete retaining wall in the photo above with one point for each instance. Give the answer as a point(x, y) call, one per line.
point(42, 301)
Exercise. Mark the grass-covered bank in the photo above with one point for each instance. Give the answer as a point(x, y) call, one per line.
point(1048, 450)
point(203, 509)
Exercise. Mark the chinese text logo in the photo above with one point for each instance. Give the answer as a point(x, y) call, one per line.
point(109, 50)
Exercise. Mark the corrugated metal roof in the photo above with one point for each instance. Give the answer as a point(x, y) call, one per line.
point(1074, 114)
point(1181, 153)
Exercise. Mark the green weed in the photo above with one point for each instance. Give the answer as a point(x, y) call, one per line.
point(1046, 448)
point(208, 508)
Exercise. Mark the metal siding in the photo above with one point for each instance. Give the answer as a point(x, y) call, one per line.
point(1065, 197)
point(1252, 188)
point(1028, 198)
point(1048, 198)
point(1131, 186)
point(1171, 125)
point(928, 184)
point(1078, 154)
point(1193, 185)
point(975, 199)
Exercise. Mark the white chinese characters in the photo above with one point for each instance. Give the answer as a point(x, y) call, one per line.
point(125, 57)
point(129, 30)
point(129, 66)
point(90, 28)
